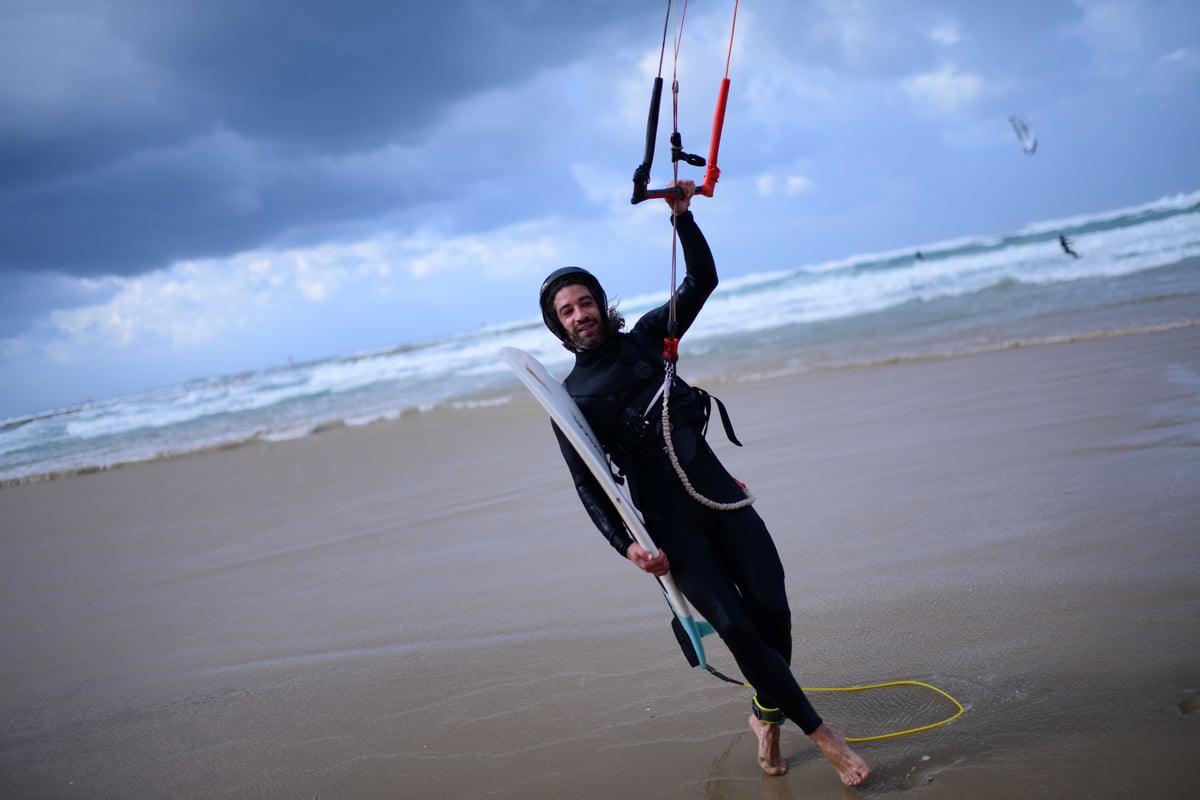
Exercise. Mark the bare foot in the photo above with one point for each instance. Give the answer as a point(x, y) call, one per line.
point(849, 764)
point(769, 758)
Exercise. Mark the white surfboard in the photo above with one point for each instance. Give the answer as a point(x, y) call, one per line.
point(566, 414)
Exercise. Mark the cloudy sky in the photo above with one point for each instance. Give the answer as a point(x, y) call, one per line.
point(190, 189)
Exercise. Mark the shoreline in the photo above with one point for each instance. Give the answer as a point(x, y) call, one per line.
point(728, 374)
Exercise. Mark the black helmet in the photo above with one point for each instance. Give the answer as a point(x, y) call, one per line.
point(566, 276)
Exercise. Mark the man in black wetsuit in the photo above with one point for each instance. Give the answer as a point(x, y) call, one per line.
point(724, 561)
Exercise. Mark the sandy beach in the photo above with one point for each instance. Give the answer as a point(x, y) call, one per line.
point(421, 609)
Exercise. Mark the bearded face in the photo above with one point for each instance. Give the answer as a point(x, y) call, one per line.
point(580, 315)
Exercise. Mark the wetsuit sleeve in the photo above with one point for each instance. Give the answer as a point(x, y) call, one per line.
point(602, 511)
point(694, 289)
point(701, 278)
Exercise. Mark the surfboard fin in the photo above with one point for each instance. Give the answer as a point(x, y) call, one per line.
point(689, 643)
point(689, 646)
point(685, 643)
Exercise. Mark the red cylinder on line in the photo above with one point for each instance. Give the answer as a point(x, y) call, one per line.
point(671, 349)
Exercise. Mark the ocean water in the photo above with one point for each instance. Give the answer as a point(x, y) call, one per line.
point(1139, 269)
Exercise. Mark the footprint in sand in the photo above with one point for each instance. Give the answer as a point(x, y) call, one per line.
point(927, 770)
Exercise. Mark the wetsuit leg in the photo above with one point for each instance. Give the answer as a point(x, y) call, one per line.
point(711, 568)
point(746, 549)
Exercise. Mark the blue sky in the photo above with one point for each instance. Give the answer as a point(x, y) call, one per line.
point(190, 189)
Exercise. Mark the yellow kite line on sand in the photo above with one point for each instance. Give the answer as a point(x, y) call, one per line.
point(866, 687)
point(944, 694)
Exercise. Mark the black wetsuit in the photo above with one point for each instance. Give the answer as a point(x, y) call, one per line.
point(725, 562)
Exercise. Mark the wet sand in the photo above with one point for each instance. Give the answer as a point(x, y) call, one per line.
point(421, 609)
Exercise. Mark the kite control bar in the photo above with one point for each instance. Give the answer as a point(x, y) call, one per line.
point(641, 175)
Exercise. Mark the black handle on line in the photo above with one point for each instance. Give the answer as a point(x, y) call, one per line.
point(641, 175)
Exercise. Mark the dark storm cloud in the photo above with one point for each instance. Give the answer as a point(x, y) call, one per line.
point(135, 133)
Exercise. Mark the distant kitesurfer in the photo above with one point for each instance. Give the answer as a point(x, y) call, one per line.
point(725, 561)
point(919, 256)
point(1065, 243)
